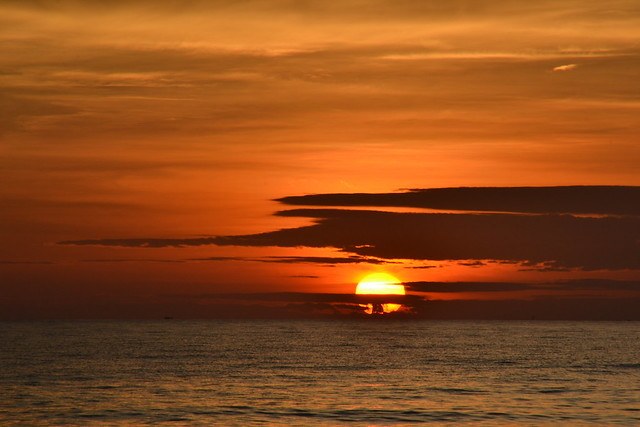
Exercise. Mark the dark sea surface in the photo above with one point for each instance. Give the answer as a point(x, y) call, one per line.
point(319, 373)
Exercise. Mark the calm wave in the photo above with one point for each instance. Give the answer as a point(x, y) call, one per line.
point(319, 373)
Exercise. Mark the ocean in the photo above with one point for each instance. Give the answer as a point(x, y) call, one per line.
point(358, 373)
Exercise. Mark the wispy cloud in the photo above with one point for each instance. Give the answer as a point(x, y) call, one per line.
point(353, 259)
point(28, 262)
point(325, 260)
point(592, 285)
point(567, 67)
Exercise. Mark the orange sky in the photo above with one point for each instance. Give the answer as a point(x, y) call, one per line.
point(178, 119)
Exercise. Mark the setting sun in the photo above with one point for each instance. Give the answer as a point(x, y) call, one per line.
point(380, 284)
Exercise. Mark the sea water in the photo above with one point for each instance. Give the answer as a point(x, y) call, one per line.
point(319, 373)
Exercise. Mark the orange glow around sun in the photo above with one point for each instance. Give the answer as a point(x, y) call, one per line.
point(380, 284)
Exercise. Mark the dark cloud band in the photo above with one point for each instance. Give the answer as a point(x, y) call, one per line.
point(546, 240)
point(570, 199)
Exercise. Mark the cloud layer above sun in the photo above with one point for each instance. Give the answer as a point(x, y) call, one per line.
point(546, 228)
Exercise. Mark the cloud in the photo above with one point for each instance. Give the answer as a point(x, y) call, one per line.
point(597, 284)
point(354, 259)
point(323, 260)
point(126, 260)
point(542, 266)
point(310, 297)
point(466, 287)
point(298, 304)
point(306, 302)
point(144, 242)
point(475, 264)
point(592, 285)
point(328, 261)
point(9, 262)
point(565, 241)
point(564, 199)
point(567, 67)
point(542, 241)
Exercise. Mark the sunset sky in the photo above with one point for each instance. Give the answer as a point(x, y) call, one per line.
point(152, 152)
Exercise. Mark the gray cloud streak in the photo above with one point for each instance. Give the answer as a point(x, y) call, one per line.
point(598, 285)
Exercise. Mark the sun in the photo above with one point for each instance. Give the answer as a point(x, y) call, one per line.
point(380, 284)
